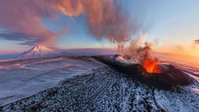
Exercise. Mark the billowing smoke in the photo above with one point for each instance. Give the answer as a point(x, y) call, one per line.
point(144, 51)
point(105, 18)
point(134, 48)
point(143, 54)
point(25, 17)
point(137, 51)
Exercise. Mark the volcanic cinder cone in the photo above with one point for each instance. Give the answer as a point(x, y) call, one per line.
point(167, 77)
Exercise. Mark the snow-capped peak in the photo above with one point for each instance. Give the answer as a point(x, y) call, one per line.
point(41, 49)
point(37, 52)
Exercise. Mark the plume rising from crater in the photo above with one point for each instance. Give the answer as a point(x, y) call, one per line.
point(105, 18)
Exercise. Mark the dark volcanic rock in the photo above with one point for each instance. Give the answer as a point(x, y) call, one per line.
point(169, 76)
point(106, 89)
point(103, 90)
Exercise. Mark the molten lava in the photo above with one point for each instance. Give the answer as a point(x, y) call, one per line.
point(151, 65)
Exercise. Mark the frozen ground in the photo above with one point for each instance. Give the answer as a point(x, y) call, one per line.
point(23, 78)
point(84, 84)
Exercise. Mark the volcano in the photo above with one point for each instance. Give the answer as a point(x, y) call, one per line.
point(167, 77)
point(95, 83)
point(38, 52)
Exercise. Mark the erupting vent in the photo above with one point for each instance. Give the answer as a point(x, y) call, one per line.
point(151, 65)
point(150, 72)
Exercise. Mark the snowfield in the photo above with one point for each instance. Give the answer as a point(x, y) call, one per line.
point(23, 78)
point(80, 83)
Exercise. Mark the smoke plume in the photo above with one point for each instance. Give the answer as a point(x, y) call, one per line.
point(25, 17)
point(143, 54)
point(105, 18)
point(134, 48)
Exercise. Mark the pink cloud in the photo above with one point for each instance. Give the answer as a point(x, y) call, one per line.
point(104, 17)
point(25, 16)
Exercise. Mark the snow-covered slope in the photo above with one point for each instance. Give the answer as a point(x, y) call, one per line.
point(23, 78)
point(103, 90)
point(37, 52)
point(80, 83)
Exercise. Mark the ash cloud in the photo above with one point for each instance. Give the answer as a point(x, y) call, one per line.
point(105, 19)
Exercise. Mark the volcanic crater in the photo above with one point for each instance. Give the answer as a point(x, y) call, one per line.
point(168, 76)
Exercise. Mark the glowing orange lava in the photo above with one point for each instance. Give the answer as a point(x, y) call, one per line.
point(151, 65)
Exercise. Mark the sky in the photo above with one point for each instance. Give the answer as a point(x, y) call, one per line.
point(171, 25)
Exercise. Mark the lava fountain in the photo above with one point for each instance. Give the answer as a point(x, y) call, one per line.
point(151, 65)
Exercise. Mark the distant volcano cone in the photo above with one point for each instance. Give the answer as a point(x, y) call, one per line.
point(38, 52)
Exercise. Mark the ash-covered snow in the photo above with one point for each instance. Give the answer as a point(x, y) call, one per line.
point(84, 84)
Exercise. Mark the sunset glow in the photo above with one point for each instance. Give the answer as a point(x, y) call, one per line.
point(99, 55)
point(61, 23)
